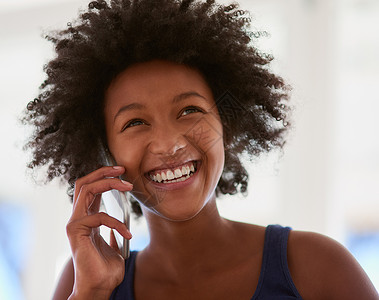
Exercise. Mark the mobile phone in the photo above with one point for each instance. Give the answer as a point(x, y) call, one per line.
point(117, 205)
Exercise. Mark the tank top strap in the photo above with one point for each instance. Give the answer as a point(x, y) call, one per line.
point(126, 288)
point(275, 281)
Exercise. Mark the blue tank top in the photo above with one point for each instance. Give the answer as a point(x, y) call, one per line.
point(274, 281)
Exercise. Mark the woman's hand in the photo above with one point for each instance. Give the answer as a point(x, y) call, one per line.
point(99, 267)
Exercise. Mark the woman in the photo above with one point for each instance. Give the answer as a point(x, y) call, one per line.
point(175, 92)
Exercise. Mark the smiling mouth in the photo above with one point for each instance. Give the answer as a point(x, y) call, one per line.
point(176, 174)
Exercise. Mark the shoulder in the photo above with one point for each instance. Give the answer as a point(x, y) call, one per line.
point(322, 268)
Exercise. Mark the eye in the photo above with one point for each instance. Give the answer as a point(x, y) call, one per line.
point(132, 123)
point(190, 110)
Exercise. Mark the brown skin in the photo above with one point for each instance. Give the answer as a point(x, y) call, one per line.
point(165, 130)
point(211, 258)
point(321, 268)
point(89, 251)
point(205, 256)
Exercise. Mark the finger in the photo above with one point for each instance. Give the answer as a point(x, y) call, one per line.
point(84, 226)
point(95, 205)
point(96, 175)
point(108, 221)
point(89, 191)
point(113, 242)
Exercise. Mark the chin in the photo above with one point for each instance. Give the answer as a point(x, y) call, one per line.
point(173, 213)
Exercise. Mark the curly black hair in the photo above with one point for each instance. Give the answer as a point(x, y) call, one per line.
point(109, 36)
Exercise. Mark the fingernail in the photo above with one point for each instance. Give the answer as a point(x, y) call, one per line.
point(126, 183)
point(117, 167)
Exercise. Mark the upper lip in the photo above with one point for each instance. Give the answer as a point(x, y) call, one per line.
point(169, 165)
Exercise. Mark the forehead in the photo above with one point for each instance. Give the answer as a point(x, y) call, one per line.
point(156, 78)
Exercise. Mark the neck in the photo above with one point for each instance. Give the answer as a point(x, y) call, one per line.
point(186, 241)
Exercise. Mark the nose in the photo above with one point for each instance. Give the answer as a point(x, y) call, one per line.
point(167, 142)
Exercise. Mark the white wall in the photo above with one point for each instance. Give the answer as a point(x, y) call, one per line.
point(22, 55)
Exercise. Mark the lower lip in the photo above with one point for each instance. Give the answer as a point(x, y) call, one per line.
point(176, 185)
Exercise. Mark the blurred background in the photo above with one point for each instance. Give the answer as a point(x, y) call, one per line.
point(327, 179)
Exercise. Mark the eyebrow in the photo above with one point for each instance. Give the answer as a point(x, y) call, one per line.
point(176, 99)
point(128, 107)
point(186, 95)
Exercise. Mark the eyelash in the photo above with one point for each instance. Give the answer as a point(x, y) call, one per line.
point(131, 122)
point(197, 109)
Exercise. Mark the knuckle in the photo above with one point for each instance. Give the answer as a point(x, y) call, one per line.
point(77, 186)
point(70, 227)
point(112, 182)
point(85, 189)
point(105, 218)
point(104, 171)
point(102, 215)
point(78, 182)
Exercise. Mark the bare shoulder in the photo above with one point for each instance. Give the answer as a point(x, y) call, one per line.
point(322, 268)
point(65, 283)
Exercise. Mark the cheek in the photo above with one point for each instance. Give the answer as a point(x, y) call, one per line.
point(205, 134)
point(208, 137)
point(216, 159)
point(216, 151)
point(128, 155)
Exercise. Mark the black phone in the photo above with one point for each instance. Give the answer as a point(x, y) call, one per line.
point(117, 205)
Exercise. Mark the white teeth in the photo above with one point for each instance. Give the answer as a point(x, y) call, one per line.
point(184, 178)
point(184, 170)
point(178, 173)
point(159, 178)
point(170, 175)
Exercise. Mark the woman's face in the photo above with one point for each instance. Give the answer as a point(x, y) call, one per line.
point(163, 126)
